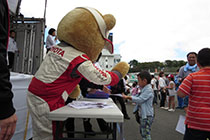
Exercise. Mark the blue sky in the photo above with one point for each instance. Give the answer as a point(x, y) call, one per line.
point(145, 30)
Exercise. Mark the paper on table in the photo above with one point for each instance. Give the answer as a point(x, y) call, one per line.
point(87, 104)
point(180, 127)
point(120, 95)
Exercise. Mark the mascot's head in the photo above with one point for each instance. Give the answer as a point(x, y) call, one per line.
point(87, 30)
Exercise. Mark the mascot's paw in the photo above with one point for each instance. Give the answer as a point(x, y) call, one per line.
point(122, 67)
point(75, 93)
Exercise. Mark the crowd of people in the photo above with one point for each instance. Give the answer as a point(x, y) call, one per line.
point(192, 88)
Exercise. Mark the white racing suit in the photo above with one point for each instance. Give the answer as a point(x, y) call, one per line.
point(61, 70)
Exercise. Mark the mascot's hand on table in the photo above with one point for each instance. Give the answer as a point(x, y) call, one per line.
point(122, 68)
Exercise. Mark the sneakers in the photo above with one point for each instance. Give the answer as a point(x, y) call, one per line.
point(171, 110)
point(162, 107)
point(166, 108)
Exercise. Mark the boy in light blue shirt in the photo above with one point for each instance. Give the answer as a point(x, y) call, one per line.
point(144, 102)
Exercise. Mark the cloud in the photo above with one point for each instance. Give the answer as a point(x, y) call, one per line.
point(148, 30)
point(117, 46)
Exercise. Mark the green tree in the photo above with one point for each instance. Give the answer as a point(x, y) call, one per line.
point(168, 63)
point(133, 63)
point(167, 66)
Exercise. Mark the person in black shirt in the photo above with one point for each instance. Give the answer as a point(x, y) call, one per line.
point(8, 117)
point(119, 89)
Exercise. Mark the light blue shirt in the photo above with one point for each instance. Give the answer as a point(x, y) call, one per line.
point(144, 101)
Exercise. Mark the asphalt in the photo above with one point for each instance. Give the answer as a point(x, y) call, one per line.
point(163, 127)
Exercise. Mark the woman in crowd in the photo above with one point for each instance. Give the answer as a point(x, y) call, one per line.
point(51, 39)
point(172, 92)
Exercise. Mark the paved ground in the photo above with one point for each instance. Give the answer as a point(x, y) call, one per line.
point(163, 127)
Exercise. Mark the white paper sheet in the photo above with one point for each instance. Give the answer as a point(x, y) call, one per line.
point(180, 127)
point(120, 95)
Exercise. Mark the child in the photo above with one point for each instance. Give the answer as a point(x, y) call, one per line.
point(197, 87)
point(134, 89)
point(163, 92)
point(144, 101)
point(172, 92)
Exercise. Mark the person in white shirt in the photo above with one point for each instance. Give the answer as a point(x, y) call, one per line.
point(172, 93)
point(162, 86)
point(154, 87)
point(51, 39)
point(12, 48)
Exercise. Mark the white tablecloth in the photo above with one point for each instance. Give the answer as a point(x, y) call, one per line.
point(112, 115)
point(108, 114)
point(20, 84)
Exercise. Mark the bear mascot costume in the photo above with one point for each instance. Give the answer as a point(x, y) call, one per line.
point(83, 34)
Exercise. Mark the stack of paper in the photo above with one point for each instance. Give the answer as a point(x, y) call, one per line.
point(88, 104)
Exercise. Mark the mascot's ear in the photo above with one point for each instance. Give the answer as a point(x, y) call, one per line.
point(110, 21)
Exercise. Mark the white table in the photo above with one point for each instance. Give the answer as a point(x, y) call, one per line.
point(111, 115)
point(20, 84)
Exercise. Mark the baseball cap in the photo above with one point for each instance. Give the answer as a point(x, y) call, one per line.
point(170, 76)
